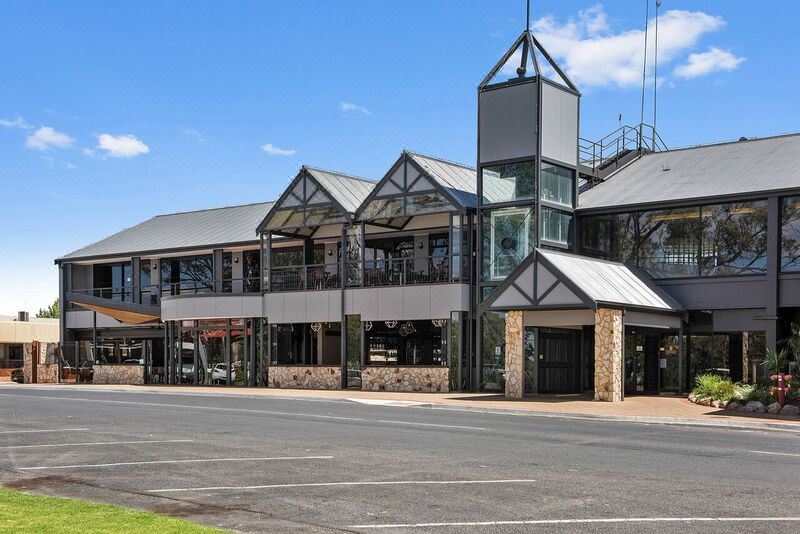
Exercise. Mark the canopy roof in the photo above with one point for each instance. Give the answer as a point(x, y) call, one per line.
point(558, 280)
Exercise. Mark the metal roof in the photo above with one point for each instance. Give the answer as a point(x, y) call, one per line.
point(460, 180)
point(349, 191)
point(609, 282)
point(739, 167)
point(190, 229)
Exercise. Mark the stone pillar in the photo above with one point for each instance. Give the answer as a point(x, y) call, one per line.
point(515, 354)
point(608, 335)
point(746, 358)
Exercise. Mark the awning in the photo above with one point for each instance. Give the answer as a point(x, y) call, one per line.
point(124, 312)
point(549, 280)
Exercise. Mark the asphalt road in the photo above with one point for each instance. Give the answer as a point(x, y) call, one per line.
point(269, 464)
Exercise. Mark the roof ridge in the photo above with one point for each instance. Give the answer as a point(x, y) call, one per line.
point(729, 142)
point(212, 209)
point(449, 162)
point(360, 178)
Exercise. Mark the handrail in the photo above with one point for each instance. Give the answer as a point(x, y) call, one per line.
point(610, 149)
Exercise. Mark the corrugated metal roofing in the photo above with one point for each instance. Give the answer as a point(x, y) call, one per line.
point(459, 180)
point(349, 191)
point(751, 166)
point(191, 229)
point(610, 282)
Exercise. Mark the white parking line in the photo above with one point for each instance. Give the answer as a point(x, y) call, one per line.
point(157, 462)
point(248, 410)
point(366, 483)
point(95, 443)
point(40, 431)
point(583, 521)
point(776, 453)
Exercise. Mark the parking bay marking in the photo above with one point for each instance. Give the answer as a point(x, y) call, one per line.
point(364, 483)
point(776, 453)
point(581, 521)
point(92, 443)
point(157, 462)
point(248, 410)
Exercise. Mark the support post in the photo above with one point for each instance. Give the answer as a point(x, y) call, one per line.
point(608, 338)
point(515, 354)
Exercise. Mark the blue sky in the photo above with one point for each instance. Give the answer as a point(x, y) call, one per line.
point(112, 112)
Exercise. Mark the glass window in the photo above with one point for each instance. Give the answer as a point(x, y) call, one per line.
point(493, 363)
point(556, 226)
point(252, 283)
point(668, 242)
point(734, 238)
point(557, 184)
point(384, 208)
point(508, 237)
point(611, 237)
point(190, 275)
point(507, 183)
point(790, 234)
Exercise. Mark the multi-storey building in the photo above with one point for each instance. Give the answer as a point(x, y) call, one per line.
point(558, 266)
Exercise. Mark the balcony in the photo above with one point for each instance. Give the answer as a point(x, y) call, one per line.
point(305, 277)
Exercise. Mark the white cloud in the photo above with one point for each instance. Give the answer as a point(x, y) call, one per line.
point(707, 62)
point(121, 146)
point(347, 107)
point(46, 138)
point(272, 150)
point(70, 165)
point(593, 55)
point(197, 136)
point(18, 122)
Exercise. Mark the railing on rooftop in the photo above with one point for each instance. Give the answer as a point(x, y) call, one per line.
point(609, 152)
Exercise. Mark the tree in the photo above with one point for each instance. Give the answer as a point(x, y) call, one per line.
point(51, 312)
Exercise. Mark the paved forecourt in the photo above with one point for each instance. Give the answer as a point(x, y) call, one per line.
point(275, 464)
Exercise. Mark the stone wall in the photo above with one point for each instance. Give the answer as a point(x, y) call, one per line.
point(608, 355)
point(427, 379)
point(304, 377)
point(27, 362)
point(515, 354)
point(48, 373)
point(118, 374)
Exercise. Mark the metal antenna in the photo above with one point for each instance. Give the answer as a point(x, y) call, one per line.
point(644, 66)
point(528, 17)
point(655, 78)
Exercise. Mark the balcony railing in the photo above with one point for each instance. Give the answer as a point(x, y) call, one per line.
point(302, 277)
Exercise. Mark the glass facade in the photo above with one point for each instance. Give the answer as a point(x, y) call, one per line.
point(556, 226)
point(790, 234)
point(723, 239)
point(187, 275)
point(509, 235)
point(493, 346)
point(558, 185)
point(509, 183)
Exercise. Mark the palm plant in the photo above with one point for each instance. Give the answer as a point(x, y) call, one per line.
point(775, 362)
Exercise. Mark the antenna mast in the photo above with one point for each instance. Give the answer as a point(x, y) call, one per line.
point(528, 17)
point(644, 66)
point(655, 79)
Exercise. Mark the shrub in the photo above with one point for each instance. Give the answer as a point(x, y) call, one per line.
point(713, 386)
point(757, 393)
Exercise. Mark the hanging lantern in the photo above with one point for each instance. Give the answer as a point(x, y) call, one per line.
point(390, 324)
point(316, 327)
point(367, 326)
point(409, 327)
point(437, 322)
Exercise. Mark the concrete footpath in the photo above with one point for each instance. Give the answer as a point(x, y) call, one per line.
point(668, 410)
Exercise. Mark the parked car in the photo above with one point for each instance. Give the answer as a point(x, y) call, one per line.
point(219, 374)
point(133, 362)
point(17, 376)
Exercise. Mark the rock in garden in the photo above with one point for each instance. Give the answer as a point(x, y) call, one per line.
point(790, 409)
point(755, 406)
point(692, 398)
point(774, 408)
point(732, 405)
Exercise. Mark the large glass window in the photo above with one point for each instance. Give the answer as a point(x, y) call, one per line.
point(611, 237)
point(734, 238)
point(406, 206)
point(508, 238)
point(668, 242)
point(557, 185)
point(493, 363)
point(508, 183)
point(790, 234)
point(188, 275)
point(556, 226)
point(113, 281)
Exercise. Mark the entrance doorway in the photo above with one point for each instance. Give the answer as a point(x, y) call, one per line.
point(651, 362)
point(559, 360)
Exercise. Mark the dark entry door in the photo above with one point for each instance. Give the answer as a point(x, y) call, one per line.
point(558, 361)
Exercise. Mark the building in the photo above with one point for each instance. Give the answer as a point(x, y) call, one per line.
point(558, 265)
point(18, 332)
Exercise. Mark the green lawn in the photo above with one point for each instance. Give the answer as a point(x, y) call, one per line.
point(20, 512)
